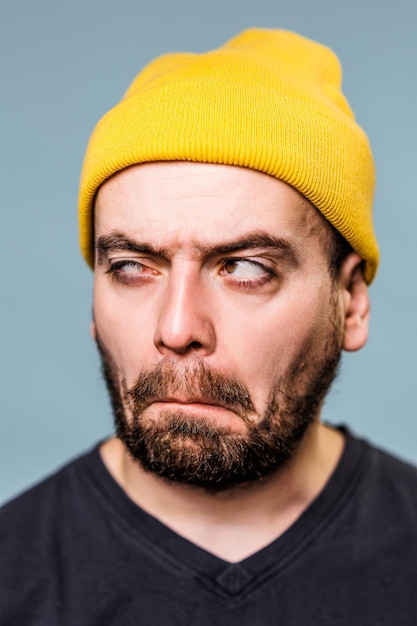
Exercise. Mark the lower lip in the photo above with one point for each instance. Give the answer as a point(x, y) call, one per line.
point(212, 412)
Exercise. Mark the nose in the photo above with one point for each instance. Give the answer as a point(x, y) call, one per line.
point(185, 324)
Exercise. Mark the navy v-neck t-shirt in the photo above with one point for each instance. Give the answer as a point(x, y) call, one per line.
point(76, 551)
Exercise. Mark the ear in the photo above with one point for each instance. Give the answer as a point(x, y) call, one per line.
point(93, 332)
point(355, 302)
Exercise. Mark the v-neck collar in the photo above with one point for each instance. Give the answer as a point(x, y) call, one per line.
point(232, 579)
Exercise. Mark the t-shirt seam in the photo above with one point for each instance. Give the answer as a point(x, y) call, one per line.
point(145, 542)
point(335, 508)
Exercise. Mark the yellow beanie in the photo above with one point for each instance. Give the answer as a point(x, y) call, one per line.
point(269, 100)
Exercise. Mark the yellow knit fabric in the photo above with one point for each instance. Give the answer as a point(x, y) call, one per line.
point(269, 100)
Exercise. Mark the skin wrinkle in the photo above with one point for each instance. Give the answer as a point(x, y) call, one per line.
point(301, 353)
point(115, 242)
point(331, 240)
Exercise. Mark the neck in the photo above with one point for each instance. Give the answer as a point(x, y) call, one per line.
point(236, 523)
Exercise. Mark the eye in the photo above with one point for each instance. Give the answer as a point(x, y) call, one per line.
point(127, 267)
point(131, 267)
point(244, 269)
point(130, 272)
point(248, 274)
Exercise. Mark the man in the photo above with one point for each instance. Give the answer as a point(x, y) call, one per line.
point(225, 205)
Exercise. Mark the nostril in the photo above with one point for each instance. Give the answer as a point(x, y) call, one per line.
point(190, 347)
point(195, 345)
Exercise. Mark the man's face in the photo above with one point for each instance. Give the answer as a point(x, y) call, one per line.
point(216, 318)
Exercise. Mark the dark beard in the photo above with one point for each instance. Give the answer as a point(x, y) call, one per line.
point(195, 452)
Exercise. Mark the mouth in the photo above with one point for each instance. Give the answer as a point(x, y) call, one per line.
point(194, 401)
point(215, 411)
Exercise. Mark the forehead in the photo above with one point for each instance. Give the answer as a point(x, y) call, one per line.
point(178, 203)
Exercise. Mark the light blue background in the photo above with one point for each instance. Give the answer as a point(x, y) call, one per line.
point(64, 63)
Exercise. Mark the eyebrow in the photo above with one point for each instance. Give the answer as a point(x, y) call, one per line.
point(114, 242)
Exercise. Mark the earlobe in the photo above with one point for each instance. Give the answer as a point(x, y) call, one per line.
point(356, 304)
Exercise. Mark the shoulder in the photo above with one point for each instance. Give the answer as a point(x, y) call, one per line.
point(30, 521)
point(51, 487)
point(33, 527)
point(394, 472)
point(386, 494)
point(380, 464)
point(374, 495)
point(396, 480)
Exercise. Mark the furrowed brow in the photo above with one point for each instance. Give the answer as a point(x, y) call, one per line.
point(281, 247)
point(263, 242)
point(114, 242)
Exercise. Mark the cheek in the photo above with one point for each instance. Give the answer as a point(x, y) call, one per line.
point(268, 341)
point(126, 331)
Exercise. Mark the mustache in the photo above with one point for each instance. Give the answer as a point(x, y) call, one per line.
point(197, 381)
